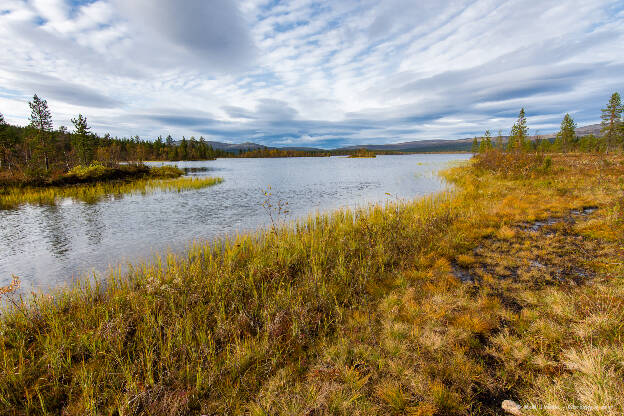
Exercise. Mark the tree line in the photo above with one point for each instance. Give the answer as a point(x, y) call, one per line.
point(566, 140)
point(39, 150)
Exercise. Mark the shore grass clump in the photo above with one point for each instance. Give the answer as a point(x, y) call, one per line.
point(96, 172)
point(165, 172)
point(356, 312)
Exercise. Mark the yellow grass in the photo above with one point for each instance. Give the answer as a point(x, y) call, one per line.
point(356, 313)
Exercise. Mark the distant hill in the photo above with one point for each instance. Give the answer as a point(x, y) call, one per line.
point(419, 146)
point(231, 147)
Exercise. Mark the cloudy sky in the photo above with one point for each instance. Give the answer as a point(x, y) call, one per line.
point(311, 73)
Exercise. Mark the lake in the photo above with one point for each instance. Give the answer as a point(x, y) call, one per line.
point(48, 246)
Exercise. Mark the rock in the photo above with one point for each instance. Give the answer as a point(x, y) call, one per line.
point(511, 407)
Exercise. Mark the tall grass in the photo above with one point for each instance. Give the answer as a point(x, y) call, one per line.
point(355, 312)
point(204, 330)
point(12, 197)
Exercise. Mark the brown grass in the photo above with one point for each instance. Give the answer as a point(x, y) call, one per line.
point(357, 313)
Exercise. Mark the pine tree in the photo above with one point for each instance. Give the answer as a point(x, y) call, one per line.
point(611, 119)
point(519, 132)
point(83, 140)
point(567, 132)
point(41, 121)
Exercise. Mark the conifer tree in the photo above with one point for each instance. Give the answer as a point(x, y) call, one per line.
point(488, 139)
point(83, 140)
point(475, 146)
point(183, 151)
point(611, 119)
point(41, 121)
point(486, 142)
point(567, 133)
point(519, 132)
point(4, 142)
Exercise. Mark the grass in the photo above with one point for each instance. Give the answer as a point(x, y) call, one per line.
point(355, 313)
point(15, 196)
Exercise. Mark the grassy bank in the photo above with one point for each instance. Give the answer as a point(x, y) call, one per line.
point(508, 287)
point(94, 183)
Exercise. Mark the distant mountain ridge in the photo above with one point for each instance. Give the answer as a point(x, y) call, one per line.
point(424, 146)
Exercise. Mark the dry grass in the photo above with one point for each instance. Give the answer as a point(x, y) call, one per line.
point(356, 313)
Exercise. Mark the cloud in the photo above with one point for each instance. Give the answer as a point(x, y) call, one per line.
point(311, 72)
point(212, 32)
point(60, 90)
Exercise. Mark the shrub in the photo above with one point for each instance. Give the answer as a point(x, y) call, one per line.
point(513, 164)
point(94, 171)
point(166, 171)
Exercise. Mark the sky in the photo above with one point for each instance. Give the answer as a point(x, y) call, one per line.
point(311, 73)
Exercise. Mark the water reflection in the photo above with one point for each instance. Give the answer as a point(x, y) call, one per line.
point(52, 228)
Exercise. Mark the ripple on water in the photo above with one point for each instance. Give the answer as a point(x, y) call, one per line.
point(47, 246)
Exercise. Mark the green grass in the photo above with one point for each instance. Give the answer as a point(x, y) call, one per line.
point(355, 312)
point(12, 197)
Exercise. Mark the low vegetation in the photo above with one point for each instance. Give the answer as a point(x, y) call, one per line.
point(510, 286)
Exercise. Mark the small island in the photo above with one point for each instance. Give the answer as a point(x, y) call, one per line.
point(363, 152)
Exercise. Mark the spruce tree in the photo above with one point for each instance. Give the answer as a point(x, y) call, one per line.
point(519, 132)
point(41, 121)
point(475, 146)
point(83, 140)
point(611, 119)
point(486, 142)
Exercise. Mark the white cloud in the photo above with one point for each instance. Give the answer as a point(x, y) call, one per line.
point(303, 71)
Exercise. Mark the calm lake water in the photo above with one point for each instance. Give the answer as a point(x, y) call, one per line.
point(48, 246)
